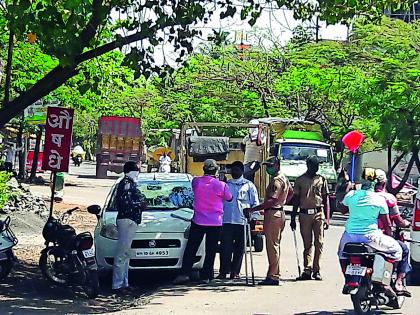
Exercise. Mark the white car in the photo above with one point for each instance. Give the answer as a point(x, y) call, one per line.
point(415, 236)
point(162, 236)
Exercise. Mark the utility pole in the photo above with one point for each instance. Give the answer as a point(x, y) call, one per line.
point(317, 29)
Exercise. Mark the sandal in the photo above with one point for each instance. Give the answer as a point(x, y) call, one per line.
point(403, 292)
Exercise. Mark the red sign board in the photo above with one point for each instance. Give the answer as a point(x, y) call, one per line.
point(30, 160)
point(58, 133)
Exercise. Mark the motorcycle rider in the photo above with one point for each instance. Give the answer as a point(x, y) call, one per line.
point(365, 207)
point(394, 214)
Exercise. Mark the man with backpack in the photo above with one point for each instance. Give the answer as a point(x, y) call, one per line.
point(130, 205)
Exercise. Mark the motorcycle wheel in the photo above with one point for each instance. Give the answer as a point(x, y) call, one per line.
point(47, 264)
point(5, 268)
point(91, 285)
point(361, 302)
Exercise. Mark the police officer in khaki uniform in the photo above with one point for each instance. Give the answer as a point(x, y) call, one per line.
point(311, 197)
point(279, 191)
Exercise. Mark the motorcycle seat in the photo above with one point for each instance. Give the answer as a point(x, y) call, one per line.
point(358, 248)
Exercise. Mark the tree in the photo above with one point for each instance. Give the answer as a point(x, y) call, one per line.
point(394, 100)
point(75, 31)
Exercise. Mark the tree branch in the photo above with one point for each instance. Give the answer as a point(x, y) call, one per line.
point(397, 189)
point(58, 76)
point(95, 21)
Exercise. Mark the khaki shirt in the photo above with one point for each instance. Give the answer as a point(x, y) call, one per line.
point(310, 191)
point(278, 188)
point(253, 152)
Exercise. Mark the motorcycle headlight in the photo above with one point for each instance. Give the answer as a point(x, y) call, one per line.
point(109, 231)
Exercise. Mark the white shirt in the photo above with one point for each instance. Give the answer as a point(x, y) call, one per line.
point(165, 164)
point(10, 154)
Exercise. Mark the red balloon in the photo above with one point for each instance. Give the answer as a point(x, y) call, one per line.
point(353, 140)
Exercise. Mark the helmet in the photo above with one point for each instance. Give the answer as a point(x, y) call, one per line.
point(380, 176)
point(369, 174)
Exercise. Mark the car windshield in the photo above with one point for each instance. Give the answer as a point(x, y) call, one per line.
point(300, 152)
point(163, 195)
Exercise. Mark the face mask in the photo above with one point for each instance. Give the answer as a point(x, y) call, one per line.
point(271, 171)
point(236, 180)
point(133, 174)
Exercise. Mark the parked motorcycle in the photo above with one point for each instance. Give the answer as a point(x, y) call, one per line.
point(77, 160)
point(68, 258)
point(7, 241)
point(368, 274)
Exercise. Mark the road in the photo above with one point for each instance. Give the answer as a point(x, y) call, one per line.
point(81, 186)
point(292, 297)
point(26, 293)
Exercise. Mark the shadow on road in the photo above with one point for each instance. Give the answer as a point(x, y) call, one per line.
point(26, 292)
point(348, 312)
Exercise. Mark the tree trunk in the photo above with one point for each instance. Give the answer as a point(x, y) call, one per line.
point(397, 189)
point(36, 154)
point(59, 75)
point(389, 172)
point(54, 79)
point(417, 158)
point(20, 143)
point(391, 167)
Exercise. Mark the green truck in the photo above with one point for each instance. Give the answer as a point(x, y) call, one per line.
point(293, 141)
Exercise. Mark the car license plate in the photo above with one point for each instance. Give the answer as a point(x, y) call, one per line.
point(354, 270)
point(88, 253)
point(152, 253)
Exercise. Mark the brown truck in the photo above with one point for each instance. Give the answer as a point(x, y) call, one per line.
point(119, 140)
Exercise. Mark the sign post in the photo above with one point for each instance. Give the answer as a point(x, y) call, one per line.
point(58, 135)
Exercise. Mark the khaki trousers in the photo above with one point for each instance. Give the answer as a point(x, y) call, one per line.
point(274, 222)
point(312, 231)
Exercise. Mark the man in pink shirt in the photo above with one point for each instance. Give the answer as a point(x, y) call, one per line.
point(209, 194)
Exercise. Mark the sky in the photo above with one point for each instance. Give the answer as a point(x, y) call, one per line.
point(274, 23)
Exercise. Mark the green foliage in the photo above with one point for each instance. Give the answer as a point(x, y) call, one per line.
point(394, 100)
point(5, 194)
point(74, 31)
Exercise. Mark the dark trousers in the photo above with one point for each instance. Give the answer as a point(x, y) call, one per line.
point(8, 166)
point(195, 238)
point(232, 248)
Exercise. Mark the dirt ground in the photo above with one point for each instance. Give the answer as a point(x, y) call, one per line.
point(24, 291)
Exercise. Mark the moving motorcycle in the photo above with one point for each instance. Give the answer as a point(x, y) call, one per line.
point(77, 160)
point(69, 258)
point(368, 274)
point(7, 241)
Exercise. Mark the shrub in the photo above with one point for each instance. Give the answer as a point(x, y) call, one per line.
point(5, 193)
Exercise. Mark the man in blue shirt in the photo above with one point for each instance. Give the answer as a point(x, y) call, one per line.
point(245, 196)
